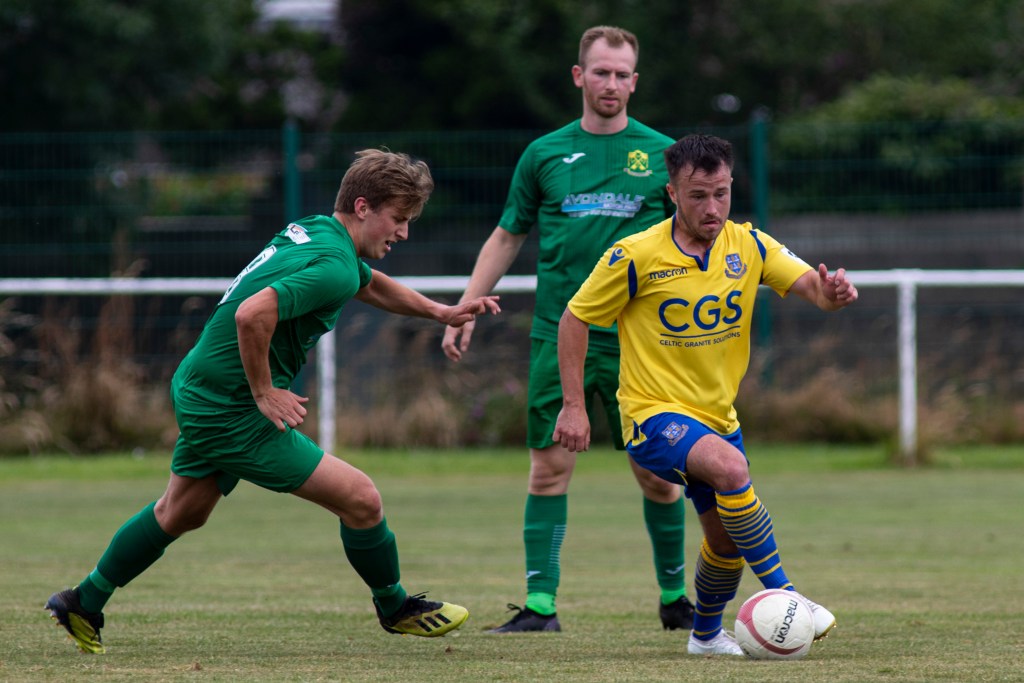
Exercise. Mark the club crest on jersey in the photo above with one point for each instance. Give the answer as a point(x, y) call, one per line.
point(297, 233)
point(638, 164)
point(734, 267)
point(674, 432)
point(616, 256)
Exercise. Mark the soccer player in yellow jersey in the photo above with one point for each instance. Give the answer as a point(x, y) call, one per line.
point(682, 293)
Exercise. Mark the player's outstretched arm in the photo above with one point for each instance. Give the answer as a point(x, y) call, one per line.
point(827, 292)
point(494, 260)
point(388, 294)
point(572, 430)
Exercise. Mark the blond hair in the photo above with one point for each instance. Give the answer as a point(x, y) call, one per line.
point(613, 35)
point(383, 177)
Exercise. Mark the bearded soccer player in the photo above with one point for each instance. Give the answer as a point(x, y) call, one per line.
point(582, 186)
point(682, 293)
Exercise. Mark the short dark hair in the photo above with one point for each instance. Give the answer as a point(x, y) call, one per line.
point(613, 35)
point(703, 152)
point(383, 177)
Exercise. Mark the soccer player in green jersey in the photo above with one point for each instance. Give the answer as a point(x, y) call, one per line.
point(682, 293)
point(238, 418)
point(583, 186)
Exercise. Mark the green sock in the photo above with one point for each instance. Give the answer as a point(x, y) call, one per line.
point(543, 533)
point(137, 544)
point(665, 524)
point(94, 591)
point(373, 553)
point(541, 603)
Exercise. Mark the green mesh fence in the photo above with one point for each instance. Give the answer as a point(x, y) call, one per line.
point(198, 204)
point(148, 204)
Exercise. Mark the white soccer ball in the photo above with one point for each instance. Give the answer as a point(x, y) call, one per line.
point(775, 624)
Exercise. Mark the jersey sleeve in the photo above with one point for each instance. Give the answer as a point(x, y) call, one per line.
point(524, 196)
point(326, 282)
point(607, 290)
point(365, 273)
point(781, 266)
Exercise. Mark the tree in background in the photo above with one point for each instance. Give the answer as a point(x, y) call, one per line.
point(98, 65)
point(467, 64)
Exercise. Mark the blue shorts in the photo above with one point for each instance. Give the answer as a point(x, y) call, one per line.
point(670, 436)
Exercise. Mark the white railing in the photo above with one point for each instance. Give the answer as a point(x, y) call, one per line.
point(906, 281)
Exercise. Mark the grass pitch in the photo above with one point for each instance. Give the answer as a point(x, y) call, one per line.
point(922, 569)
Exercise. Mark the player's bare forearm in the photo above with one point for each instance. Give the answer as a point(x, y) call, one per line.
point(255, 320)
point(572, 430)
point(495, 258)
point(573, 339)
point(387, 294)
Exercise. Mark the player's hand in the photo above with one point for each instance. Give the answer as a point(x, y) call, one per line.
point(836, 288)
point(282, 407)
point(461, 321)
point(456, 340)
point(572, 429)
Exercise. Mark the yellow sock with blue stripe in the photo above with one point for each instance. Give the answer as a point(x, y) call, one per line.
point(717, 578)
point(750, 526)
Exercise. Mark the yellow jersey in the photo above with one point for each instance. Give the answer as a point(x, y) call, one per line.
point(684, 321)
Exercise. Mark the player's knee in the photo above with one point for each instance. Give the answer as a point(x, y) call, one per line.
point(177, 520)
point(551, 468)
point(734, 474)
point(549, 480)
point(657, 489)
point(365, 505)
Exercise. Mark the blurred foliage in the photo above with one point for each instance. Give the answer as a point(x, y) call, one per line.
point(458, 64)
point(147, 64)
point(963, 152)
point(463, 63)
point(211, 193)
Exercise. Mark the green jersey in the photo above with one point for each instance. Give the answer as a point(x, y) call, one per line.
point(584, 192)
point(313, 266)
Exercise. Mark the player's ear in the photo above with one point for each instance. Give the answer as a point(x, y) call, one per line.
point(361, 207)
point(577, 75)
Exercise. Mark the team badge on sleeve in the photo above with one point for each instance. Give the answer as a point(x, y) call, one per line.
point(793, 256)
point(297, 233)
point(734, 267)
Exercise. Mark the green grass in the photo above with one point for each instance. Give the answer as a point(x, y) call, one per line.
point(922, 568)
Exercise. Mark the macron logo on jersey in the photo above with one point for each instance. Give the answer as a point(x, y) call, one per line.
point(617, 255)
point(573, 157)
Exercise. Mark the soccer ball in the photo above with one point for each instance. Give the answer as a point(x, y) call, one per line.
point(775, 624)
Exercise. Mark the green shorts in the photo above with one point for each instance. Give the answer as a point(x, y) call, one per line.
point(234, 444)
point(544, 396)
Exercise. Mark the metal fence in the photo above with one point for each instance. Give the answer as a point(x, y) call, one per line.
point(868, 197)
point(160, 204)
